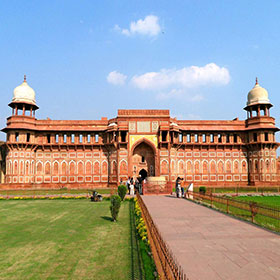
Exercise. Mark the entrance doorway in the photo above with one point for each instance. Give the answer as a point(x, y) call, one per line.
point(143, 173)
point(143, 160)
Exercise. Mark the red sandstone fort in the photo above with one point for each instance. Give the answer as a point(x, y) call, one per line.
point(89, 153)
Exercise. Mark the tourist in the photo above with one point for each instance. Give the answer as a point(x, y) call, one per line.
point(128, 184)
point(178, 187)
point(131, 189)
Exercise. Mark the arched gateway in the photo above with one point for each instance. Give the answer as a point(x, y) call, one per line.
point(143, 160)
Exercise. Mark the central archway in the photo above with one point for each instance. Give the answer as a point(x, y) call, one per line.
point(143, 160)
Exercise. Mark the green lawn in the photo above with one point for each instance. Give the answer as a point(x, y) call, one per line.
point(267, 200)
point(52, 191)
point(64, 239)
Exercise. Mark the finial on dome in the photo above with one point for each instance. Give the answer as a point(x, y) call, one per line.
point(257, 81)
point(24, 78)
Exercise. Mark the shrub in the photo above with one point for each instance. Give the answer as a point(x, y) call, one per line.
point(202, 189)
point(122, 190)
point(115, 206)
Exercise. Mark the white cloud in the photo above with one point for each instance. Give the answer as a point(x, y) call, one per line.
point(116, 78)
point(148, 26)
point(187, 77)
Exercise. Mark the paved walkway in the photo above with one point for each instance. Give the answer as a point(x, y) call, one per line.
point(210, 245)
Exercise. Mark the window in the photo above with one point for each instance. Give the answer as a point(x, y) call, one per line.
point(73, 138)
point(164, 136)
point(188, 138)
point(180, 138)
point(48, 138)
point(56, 138)
point(204, 138)
point(228, 138)
point(266, 136)
point(88, 138)
point(65, 138)
point(28, 137)
point(196, 138)
point(142, 159)
point(212, 138)
point(123, 136)
point(81, 138)
point(255, 137)
point(235, 138)
point(16, 136)
point(96, 138)
point(219, 138)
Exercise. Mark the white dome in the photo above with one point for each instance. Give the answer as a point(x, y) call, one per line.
point(24, 93)
point(257, 95)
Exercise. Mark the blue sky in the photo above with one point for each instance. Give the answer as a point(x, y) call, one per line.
point(86, 59)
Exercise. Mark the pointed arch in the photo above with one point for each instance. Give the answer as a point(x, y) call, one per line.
point(236, 168)
point(181, 167)
point(220, 166)
point(96, 168)
point(15, 167)
point(228, 166)
point(72, 168)
point(123, 167)
point(47, 168)
point(55, 167)
point(244, 166)
point(63, 167)
point(27, 167)
point(164, 167)
point(213, 166)
point(39, 168)
point(189, 167)
point(21, 167)
point(80, 167)
point(104, 167)
point(88, 167)
point(205, 167)
point(197, 167)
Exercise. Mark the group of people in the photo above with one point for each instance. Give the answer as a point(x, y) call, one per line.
point(179, 188)
point(133, 185)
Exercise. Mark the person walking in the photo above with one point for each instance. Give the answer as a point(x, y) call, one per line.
point(128, 184)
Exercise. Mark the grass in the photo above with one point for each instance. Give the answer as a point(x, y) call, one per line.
point(52, 191)
point(252, 189)
point(267, 200)
point(63, 239)
point(263, 217)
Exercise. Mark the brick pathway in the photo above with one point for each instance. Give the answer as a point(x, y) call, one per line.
point(211, 245)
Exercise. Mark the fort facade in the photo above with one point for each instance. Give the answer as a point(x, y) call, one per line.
point(89, 153)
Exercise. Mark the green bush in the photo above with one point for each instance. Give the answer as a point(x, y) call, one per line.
point(115, 206)
point(202, 189)
point(122, 190)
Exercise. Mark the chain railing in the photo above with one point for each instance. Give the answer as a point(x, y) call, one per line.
point(264, 215)
point(165, 261)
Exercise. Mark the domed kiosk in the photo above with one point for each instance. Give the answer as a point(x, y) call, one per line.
point(257, 101)
point(24, 99)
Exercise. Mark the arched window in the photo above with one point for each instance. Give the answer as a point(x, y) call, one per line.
point(48, 168)
point(205, 167)
point(213, 167)
point(80, 168)
point(55, 168)
point(96, 168)
point(63, 168)
point(39, 168)
point(88, 168)
point(221, 167)
point(228, 167)
point(189, 167)
point(72, 168)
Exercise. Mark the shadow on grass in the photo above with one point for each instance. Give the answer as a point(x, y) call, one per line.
point(107, 218)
